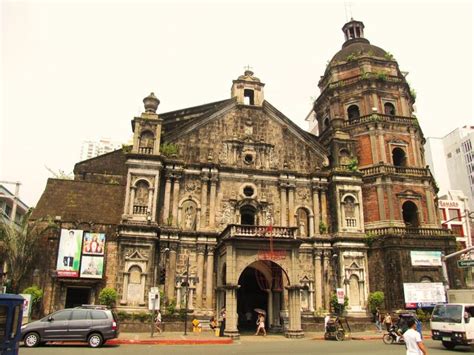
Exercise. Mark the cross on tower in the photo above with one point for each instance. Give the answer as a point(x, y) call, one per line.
point(248, 68)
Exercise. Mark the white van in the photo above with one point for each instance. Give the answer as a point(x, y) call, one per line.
point(453, 324)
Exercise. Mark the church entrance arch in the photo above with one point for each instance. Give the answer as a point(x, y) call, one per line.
point(261, 286)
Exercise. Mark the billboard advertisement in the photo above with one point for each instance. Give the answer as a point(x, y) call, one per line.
point(69, 253)
point(425, 258)
point(94, 244)
point(92, 267)
point(422, 294)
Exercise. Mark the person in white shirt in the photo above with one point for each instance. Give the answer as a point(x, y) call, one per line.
point(413, 340)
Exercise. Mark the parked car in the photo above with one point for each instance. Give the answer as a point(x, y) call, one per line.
point(94, 324)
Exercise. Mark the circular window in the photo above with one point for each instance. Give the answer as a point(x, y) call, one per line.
point(248, 158)
point(248, 191)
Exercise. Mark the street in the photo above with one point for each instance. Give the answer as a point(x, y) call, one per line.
point(251, 345)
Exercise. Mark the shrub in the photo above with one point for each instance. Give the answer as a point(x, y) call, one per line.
point(108, 296)
point(122, 316)
point(336, 306)
point(142, 316)
point(171, 308)
point(375, 299)
point(381, 76)
point(353, 164)
point(322, 227)
point(36, 294)
point(169, 149)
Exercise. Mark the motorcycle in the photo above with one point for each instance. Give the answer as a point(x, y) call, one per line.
point(393, 336)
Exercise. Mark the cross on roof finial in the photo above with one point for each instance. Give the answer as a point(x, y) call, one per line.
point(248, 68)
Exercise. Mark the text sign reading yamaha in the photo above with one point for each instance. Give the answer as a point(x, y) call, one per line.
point(466, 263)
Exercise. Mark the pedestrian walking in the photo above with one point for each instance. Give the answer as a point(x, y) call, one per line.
point(387, 321)
point(158, 322)
point(413, 340)
point(261, 324)
point(378, 319)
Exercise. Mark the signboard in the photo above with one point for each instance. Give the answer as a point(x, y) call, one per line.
point(94, 244)
point(466, 263)
point(92, 267)
point(26, 306)
point(424, 293)
point(69, 253)
point(425, 258)
point(154, 299)
point(340, 295)
point(271, 255)
point(449, 204)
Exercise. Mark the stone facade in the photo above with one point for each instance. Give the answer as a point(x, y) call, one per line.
point(236, 206)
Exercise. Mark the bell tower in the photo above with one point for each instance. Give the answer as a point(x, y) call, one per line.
point(142, 193)
point(248, 89)
point(366, 119)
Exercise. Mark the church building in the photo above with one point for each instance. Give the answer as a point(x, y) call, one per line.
point(234, 205)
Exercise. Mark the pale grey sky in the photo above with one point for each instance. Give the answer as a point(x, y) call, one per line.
point(78, 70)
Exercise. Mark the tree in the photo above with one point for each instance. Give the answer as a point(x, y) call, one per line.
point(376, 299)
point(336, 306)
point(20, 243)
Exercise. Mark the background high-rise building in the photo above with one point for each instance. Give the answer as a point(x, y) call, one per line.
point(451, 160)
point(91, 149)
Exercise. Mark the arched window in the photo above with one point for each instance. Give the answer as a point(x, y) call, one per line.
point(353, 112)
point(147, 141)
point(140, 203)
point(349, 205)
point(410, 214)
point(302, 216)
point(389, 109)
point(247, 215)
point(426, 279)
point(399, 157)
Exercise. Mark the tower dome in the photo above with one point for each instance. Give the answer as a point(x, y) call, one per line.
point(356, 45)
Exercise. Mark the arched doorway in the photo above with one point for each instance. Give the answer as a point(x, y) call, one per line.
point(410, 214)
point(261, 286)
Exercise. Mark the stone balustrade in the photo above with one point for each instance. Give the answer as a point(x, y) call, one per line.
point(392, 169)
point(379, 117)
point(258, 232)
point(426, 232)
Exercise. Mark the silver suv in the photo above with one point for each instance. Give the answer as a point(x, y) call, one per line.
point(94, 324)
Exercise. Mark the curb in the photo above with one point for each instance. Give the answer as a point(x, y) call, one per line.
point(170, 341)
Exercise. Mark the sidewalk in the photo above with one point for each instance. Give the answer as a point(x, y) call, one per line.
point(208, 338)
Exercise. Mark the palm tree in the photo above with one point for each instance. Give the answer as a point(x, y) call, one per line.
point(20, 244)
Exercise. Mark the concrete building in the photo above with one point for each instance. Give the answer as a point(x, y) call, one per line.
point(91, 149)
point(11, 206)
point(451, 160)
point(235, 205)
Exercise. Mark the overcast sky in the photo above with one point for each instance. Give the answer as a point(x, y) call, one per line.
point(75, 71)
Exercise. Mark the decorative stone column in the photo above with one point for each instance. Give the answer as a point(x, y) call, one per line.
point(311, 296)
point(175, 200)
point(380, 199)
point(327, 279)
point(171, 275)
point(166, 202)
point(204, 182)
point(231, 311)
point(200, 275)
point(391, 208)
point(212, 204)
point(291, 205)
point(283, 209)
point(324, 215)
point(178, 294)
point(294, 322)
point(209, 276)
point(317, 215)
point(132, 199)
point(123, 301)
point(318, 277)
point(270, 307)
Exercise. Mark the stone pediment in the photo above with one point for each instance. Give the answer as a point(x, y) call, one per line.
point(135, 256)
point(248, 137)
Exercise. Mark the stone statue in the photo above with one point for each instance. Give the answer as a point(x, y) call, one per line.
point(189, 216)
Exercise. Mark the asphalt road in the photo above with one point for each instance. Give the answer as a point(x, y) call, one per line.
point(250, 346)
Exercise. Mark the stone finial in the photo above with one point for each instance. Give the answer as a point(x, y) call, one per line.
point(151, 103)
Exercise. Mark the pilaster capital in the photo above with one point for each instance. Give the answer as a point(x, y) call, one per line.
point(327, 254)
point(318, 254)
point(200, 248)
point(210, 249)
point(173, 247)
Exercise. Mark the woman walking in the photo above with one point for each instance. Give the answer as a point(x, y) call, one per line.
point(261, 324)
